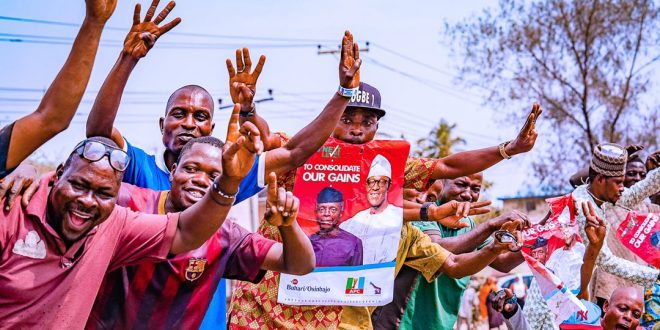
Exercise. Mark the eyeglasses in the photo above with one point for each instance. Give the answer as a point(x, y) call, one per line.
point(95, 150)
point(382, 182)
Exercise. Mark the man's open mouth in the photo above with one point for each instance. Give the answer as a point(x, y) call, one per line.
point(79, 218)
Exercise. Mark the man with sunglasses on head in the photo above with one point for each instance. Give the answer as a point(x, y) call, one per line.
point(189, 115)
point(55, 252)
point(186, 281)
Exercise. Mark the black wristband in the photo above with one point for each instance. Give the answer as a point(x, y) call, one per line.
point(248, 113)
point(424, 211)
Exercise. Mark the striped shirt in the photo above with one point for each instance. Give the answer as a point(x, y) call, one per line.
point(175, 293)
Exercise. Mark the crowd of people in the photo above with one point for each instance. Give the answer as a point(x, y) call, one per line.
point(116, 237)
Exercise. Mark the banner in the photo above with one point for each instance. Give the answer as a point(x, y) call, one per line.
point(640, 233)
point(554, 252)
point(351, 208)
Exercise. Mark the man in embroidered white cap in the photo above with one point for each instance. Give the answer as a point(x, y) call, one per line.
point(379, 226)
point(604, 190)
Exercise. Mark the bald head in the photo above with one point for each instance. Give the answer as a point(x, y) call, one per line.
point(197, 90)
point(189, 115)
point(462, 189)
point(624, 309)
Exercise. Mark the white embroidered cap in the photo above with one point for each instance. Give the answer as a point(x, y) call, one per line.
point(380, 166)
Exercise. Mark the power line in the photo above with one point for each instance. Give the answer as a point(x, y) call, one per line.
point(406, 57)
point(162, 45)
point(187, 34)
point(429, 83)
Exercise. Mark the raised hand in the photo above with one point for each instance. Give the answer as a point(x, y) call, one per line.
point(633, 148)
point(450, 214)
point(24, 180)
point(349, 64)
point(238, 157)
point(595, 227)
point(653, 161)
point(243, 81)
point(100, 10)
point(526, 138)
point(143, 35)
point(233, 127)
point(281, 205)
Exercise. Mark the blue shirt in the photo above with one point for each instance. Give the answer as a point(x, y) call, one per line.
point(150, 171)
point(589, 319)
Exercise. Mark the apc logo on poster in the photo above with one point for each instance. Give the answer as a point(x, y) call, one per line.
point(330, 152)
point(355, 285)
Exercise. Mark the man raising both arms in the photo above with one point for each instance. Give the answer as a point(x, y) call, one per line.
point(71, 233)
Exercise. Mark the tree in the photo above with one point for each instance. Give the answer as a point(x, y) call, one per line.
point(588, 62)
point(439, 142)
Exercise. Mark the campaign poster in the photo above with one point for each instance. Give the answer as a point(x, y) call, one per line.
point(351, 208)
point(640, 233)
point(554, 252)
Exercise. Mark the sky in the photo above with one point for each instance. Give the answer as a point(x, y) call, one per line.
point(408, 59)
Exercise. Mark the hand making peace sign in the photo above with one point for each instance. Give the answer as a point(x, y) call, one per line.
point(595, 227)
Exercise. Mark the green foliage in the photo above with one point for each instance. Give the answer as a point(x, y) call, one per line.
point(439, 143)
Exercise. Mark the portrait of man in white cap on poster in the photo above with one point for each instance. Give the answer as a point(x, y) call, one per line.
point(379, 226)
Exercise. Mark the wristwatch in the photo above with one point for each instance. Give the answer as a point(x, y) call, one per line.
point(424, 211)
point(248, 113)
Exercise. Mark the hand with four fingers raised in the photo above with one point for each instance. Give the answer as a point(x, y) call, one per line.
point(143, 35)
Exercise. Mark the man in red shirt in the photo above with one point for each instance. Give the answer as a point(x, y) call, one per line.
point(55, 252)
point(176, 293)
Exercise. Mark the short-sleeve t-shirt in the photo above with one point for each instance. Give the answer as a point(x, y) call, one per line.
point(257, 304)
point(5, 138)
point(433, 305)
point(149, 171)
point(176, 293)
point(47, 284)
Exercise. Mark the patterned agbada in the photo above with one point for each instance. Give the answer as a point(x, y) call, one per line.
point(175, 293)
point(603, 283)
point(254, 306)
point(536, 310)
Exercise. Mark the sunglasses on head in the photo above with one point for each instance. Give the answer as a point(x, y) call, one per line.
point(95, 150)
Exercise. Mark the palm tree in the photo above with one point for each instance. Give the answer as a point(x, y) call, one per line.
point(439, 143)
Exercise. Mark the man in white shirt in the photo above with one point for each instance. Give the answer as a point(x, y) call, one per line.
point(379, 226)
